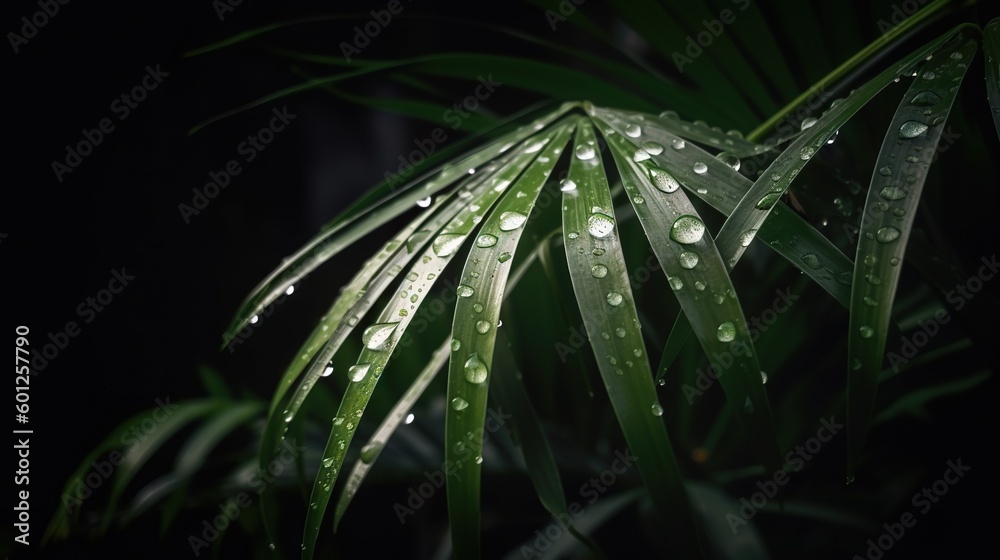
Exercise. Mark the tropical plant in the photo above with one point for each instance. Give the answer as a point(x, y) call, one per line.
point(544, 226)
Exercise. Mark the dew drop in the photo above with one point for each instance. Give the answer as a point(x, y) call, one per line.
point(511, 220)
point(598, 271)
point(925, 99)
point(652, 148)
point(376, 336)
point(730, 159)
point(656, 409)
point(358, 372)
point(892, 193)
point(806, 153)
point(504, 257)
point(866, 331)
point(458, 403)
point(424, 202)
point(663, 180)
point(675, 283)
point(887, 234)
point(747, 236)
point(475, 370)
point(465, 290)
point(700, 168)
point(600, 225)
point(677, 144)
point(912, 129)
point(254, 319)
point(768, 201)
point(633, 131)
point(584, 152)
point(447, 243)
point(327, 372)
point(869, 301)
point(688, 259)
point(812, 261)
point(482, 327)
point(455, 344)
point(885, 171)
point(567, 185)
point(614, 299)
point(687, 229)
point(726, 332)
point(807, 123)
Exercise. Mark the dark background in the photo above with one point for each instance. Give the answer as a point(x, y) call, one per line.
point(119, 208)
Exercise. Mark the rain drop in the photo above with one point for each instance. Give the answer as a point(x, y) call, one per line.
point(925, 99)
point(887, 234)
point(511, 220)
point(893, 193)
point(730, 159)
point(912, 129)
point(687, 229)
point(600, 225)
point(475, 370)
point(376, 336)
point(464, 290)
point(447, 243)
point(663, 180)
point(652, 148)
point(688, 259)
point(812, 261)
point(726, 332)
point(358, 372)
point(584, 152)
point(486, 240)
